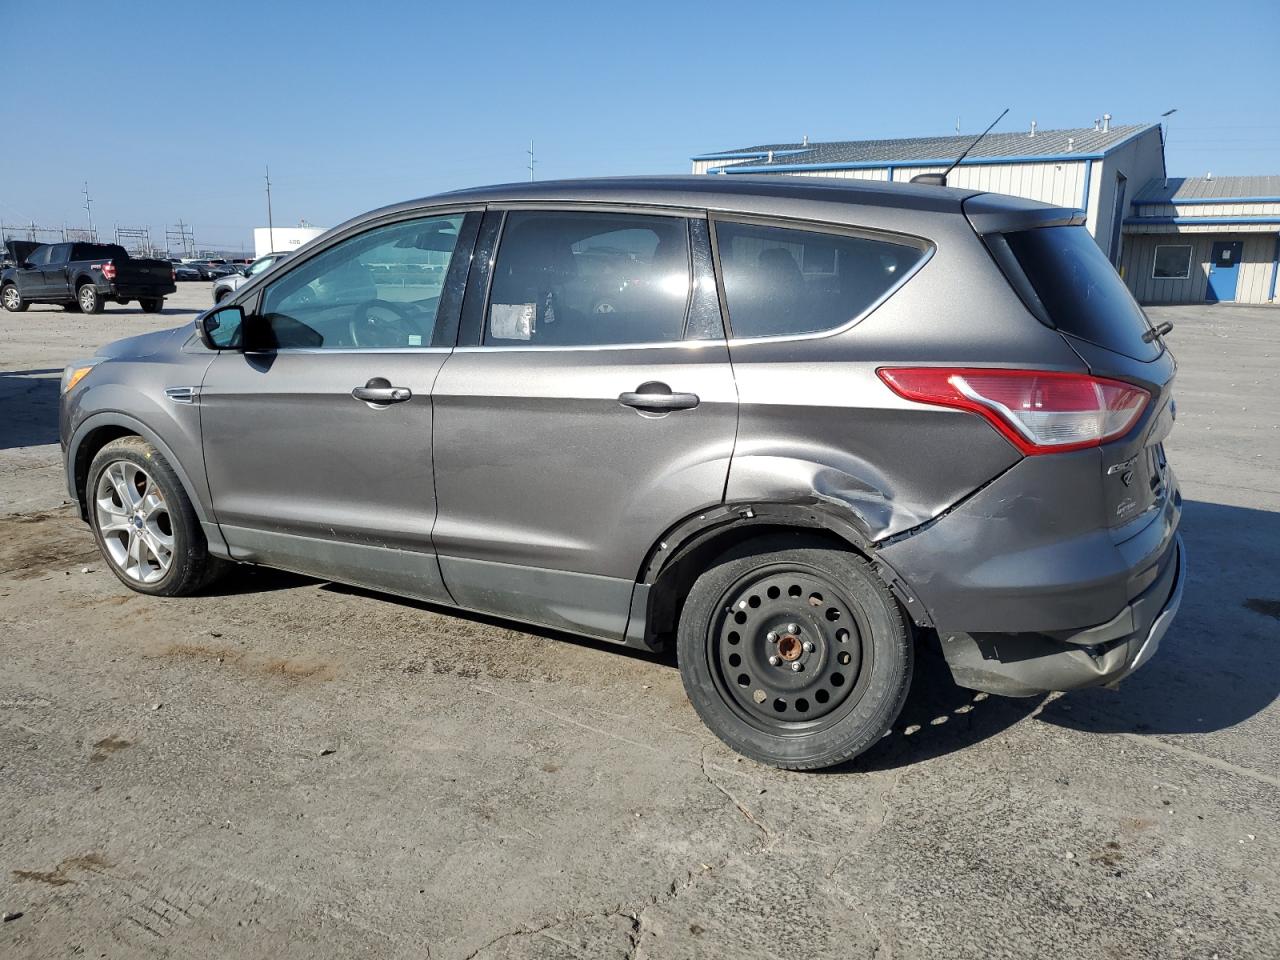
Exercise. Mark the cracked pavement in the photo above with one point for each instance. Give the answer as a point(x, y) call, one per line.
point(286, 768)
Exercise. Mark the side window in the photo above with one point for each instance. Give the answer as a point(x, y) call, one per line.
point(589, 279)
point(377, 290)
point(40, 256)
point(783, 282)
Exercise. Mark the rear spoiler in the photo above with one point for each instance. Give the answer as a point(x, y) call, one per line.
point(996, 213)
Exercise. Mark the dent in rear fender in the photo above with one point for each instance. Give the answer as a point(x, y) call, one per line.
point(888, 469)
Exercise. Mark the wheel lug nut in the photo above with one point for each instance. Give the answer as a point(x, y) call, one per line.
point(793, 628)
point(771, 637)
point(797, 667)
point(808, 646)
point(775, 660)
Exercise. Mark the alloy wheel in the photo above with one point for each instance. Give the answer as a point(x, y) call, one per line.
point(11, 298)
point(87, 299)
point(133, 518)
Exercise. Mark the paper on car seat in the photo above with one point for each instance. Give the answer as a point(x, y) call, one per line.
point(512, 321)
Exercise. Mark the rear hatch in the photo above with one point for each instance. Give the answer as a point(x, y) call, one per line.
point(1070, 285)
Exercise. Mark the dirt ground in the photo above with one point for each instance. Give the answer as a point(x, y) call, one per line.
point(287, 768)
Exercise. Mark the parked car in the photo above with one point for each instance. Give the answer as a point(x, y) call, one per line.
point(212, 269)
point(185, 271)
point(85, 276)
point(225, 286)
point(847, 418)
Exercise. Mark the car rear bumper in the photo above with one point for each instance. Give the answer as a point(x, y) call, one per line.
point(1028, 586)
point(138, 292)
point(1020, 665)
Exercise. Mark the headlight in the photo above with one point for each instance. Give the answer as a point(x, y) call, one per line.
point(77, 371)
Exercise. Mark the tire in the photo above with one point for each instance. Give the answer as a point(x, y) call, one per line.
point(151, 304)
point(12, 298)
point(821, 608)
point(220, 295)
point(139, 512)
point(89, 299)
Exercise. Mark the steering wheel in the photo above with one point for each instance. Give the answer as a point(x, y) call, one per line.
point(381, 323)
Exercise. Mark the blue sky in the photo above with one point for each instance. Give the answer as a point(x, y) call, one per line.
point(171, 110)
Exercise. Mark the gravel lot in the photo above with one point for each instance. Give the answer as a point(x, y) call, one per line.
point(288, 768)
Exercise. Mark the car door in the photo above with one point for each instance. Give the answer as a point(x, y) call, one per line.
point(317, 438)
point(29, 275)
point(589, 407)
point(54, 281)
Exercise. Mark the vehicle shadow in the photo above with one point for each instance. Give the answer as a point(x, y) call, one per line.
point(1217, 666)
point(244, 579)
point(28, 408)
point(939, 717)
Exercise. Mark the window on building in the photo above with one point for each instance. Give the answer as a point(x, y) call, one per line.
point(783, 282)
point(1172, 262)
point(589, 279)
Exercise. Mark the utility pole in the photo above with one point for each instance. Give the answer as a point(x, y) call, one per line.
point(531, 161)
point(1165, 117)
point(271, 227)
point(87, 208)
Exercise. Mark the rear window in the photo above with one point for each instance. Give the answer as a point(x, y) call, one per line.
point(99, 251)
point(1083, 293)
point(784, 282)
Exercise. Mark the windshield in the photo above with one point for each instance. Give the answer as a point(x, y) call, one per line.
point(1083, 293)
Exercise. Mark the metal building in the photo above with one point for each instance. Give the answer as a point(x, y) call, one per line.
point(1208, 239)
point(1096, 169)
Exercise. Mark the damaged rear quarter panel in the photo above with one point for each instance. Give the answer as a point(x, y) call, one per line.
point(816, 422)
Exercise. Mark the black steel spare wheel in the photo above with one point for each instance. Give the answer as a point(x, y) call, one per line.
point(794, 655)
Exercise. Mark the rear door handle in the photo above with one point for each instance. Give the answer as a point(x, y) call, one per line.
point(657, 397)
point(380, 390)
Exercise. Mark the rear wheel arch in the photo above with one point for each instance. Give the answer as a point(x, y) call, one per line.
point(690, 547)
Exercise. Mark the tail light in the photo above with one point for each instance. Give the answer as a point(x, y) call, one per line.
point(109, 270)
point(1037, 411)
point(173, 274)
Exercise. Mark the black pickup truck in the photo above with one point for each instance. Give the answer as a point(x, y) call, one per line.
point(82, 276)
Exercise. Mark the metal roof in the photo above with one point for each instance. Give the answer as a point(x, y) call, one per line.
point(1085, 141)
point(1199, 190)
point(836, 200)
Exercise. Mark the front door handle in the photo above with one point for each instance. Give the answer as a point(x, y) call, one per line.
point(380, 390)
point(658, 398)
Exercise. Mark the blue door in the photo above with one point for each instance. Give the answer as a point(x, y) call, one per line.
point(1224, 270)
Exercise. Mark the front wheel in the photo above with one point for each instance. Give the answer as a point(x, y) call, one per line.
point(89, 299)
point(151, 304)
point(794, 654)
point(145, 525)
point(12, 299)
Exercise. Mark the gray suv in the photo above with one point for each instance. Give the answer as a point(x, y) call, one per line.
point(793, 427)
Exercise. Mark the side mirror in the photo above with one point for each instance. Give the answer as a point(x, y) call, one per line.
point(222, 328)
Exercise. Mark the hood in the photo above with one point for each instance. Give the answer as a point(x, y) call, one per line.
point(147, 344)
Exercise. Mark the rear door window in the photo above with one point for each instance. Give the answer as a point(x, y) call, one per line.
point(782, 282)
point(589, 279)
point(1081, 290)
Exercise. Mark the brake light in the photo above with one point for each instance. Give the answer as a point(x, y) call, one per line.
point(173, 274)
point(1038, 411)
point(109, 270)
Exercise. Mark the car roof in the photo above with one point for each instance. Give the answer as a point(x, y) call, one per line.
point(834, 199)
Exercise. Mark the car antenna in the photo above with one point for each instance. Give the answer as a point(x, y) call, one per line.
point(940, 179)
